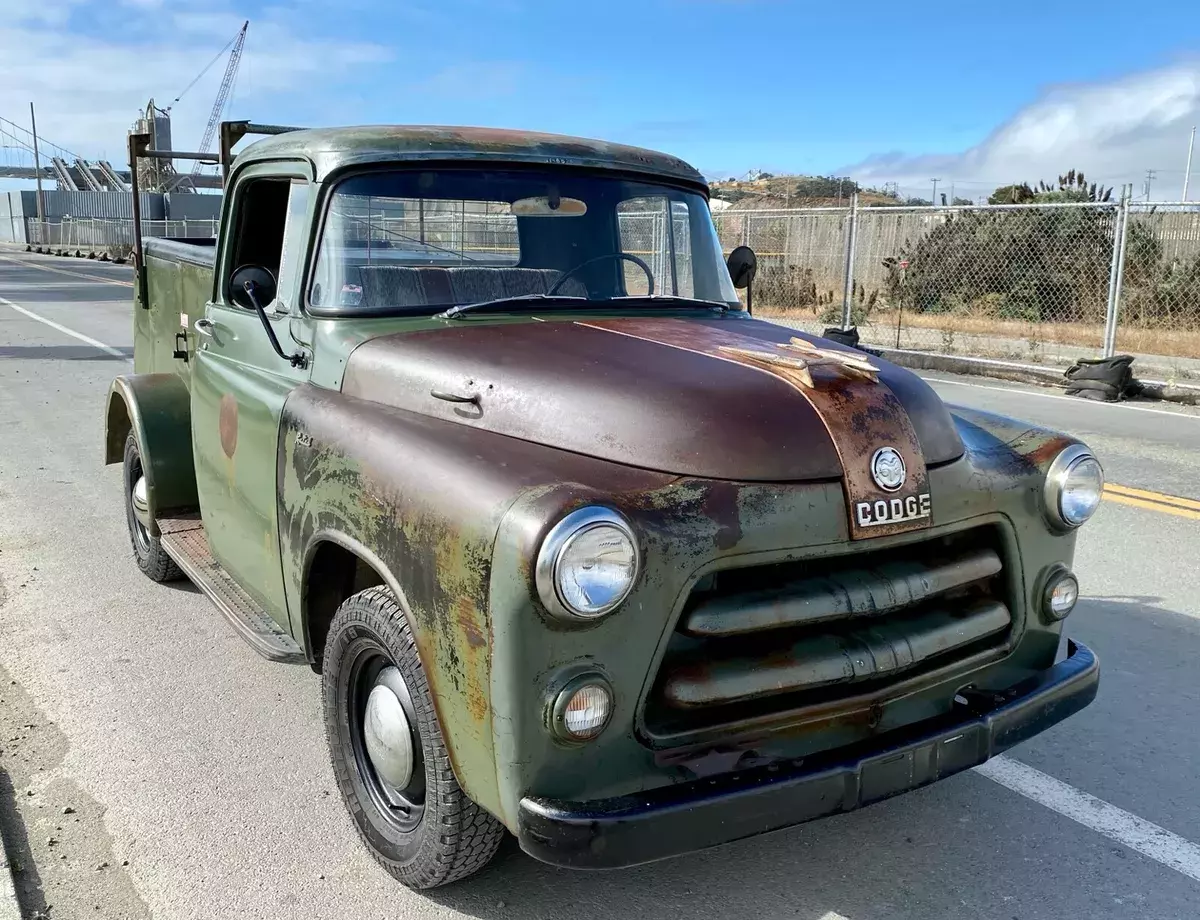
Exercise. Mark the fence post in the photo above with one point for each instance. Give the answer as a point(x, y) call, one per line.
point(848, 279)
point(1118, 276)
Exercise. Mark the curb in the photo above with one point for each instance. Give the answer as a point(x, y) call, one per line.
point(1166, 391)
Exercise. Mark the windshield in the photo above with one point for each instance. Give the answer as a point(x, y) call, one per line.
point(416, 241)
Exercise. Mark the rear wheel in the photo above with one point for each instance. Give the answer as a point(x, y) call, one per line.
point(388, 752)
point(147, 548)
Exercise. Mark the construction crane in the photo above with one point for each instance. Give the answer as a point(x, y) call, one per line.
point(235, 58)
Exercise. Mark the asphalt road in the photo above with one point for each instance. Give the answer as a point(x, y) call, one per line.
point(196, 772)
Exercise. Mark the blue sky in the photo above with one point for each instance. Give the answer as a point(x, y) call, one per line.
point(977, 93)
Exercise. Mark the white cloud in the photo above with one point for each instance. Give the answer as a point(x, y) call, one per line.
point(1114, 131)
point(90, 78)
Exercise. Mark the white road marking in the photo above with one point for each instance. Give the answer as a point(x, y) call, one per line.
point(107, 349)
point(1138, 834)
point(1073, 399)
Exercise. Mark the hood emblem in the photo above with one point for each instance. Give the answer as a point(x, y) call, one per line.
point(800, 357)
point(887, 469)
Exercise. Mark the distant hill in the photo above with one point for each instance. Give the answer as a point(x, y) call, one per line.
point(769, 191)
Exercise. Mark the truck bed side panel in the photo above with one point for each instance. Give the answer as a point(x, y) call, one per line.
point(179, 280)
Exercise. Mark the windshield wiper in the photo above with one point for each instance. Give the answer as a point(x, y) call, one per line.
point(672, 300)
point(665, 300)
point(464, 308)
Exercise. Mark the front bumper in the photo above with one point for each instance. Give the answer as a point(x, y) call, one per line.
point(632, 829)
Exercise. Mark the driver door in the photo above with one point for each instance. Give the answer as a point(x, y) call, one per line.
point(239, 383)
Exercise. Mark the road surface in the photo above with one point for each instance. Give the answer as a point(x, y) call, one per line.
point(197, 778)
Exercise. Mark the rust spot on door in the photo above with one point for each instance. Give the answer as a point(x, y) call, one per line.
point(227, 422)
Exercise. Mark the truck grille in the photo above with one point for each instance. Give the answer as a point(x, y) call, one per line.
point(779, 637)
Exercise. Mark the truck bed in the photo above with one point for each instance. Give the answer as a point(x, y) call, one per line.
point(194, 251)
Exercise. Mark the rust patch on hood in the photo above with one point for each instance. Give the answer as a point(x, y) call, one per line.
point(629, 401)
point(860, 413)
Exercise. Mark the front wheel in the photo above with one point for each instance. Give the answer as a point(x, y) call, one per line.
point(388, 752)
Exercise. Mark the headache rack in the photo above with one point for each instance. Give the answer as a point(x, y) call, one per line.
point(231, 133)
point(773, 639)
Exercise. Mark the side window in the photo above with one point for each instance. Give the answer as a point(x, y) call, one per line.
point(262, 216)
point(658, 232)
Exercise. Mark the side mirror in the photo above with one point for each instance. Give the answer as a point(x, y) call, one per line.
point(251, 286)
point(261, 281)
point(742, 264)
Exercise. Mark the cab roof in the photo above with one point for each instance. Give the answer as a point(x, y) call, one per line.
point(333, 149)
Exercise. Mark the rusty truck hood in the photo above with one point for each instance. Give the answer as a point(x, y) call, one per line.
point(650, 392)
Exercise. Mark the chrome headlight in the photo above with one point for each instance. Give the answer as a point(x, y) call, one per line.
point(587, 564)
point(1074, 487)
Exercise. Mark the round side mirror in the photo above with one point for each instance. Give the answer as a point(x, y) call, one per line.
point(261, 282)
point(742, 264)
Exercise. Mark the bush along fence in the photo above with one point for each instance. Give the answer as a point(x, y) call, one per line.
point(108, 238)
point(1042, 283)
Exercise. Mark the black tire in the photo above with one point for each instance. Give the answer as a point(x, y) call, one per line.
point(148, 552)
point(451, 837)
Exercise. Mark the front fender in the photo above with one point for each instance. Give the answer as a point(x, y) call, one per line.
point(157, 409)
point(421, 501)
point(988, 434)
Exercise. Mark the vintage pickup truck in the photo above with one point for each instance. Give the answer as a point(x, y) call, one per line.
point(474, 423)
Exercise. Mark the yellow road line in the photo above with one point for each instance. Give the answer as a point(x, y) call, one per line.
point(61, 271)
point(1131, 492)
point(1161, 507)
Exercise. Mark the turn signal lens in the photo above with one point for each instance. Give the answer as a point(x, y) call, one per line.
point(587, 712)
point(582, 708)
point(1061, 595)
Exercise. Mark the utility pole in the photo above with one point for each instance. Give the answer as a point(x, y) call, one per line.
point(1150, 176)
point(37, 167)
point(951, 193)
point(1187, 172)
point(934, 200)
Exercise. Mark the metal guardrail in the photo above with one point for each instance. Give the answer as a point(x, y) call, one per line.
point(113, 237)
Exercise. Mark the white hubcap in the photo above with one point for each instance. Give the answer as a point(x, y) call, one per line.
point(141, 503)
point(387, 735)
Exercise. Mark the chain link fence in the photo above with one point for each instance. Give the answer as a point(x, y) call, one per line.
point(1036, 283)
point(111, 237)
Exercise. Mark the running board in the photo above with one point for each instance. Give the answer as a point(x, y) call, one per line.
point(185, 541)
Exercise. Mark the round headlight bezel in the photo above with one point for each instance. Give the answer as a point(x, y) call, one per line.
point(556, 541)
point(1056, 481)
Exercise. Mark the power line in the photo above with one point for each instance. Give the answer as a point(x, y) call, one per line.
point(28, 144)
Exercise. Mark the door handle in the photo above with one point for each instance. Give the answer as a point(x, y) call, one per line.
point(203, 327)
point(455, 397)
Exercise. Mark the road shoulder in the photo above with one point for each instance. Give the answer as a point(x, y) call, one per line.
point(61, 861)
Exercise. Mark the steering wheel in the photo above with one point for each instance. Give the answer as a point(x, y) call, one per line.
point(608, 255)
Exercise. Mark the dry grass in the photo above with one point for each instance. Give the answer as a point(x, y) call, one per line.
point(1026, 337)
